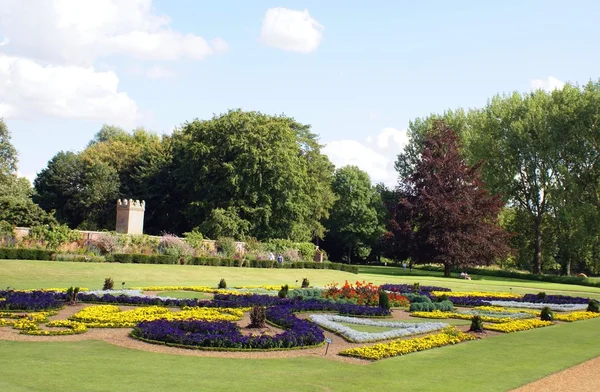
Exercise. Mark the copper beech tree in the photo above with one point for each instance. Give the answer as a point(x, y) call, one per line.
point(444, 214)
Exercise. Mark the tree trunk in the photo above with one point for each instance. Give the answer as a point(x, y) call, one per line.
point(349, 255)
point(447, 270)
point(568, 271)
point(537, 247)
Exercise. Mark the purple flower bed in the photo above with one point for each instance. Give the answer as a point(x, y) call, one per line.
point(32, 301)
point(554, 299)
point(409, 288)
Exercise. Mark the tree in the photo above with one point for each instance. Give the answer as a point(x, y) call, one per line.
point(8, 153)
point(23, 212)
point(265, 170)
point(353, 224)
point(80, 191)
point(445, 215)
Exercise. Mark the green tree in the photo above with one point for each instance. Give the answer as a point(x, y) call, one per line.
point(354, 224)
point(8, 153)
point(261, 169)
point(80, 191)
point(23, 212)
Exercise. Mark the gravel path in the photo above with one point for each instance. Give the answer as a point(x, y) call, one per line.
point(584, 377)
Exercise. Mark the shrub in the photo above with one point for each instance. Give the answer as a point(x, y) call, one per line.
point(257, 317)
point(53, 236)
point(72, 295)
point(384, 300)
point(107, 243)
point(283, 293)
point(417, 298)
point(291, 255)
point(195, 239)
point(25, 254)
point(416, 288)
point(222, 284)
point(546, 314)
point(171, 245)
point(443, 297)
point(444, 306)
point(226, 246)
point(305, 283)
point(476, 324)
point(593, 306)
point(77, 258)
point(541, 295)
point(306, 250)
point(108, 284)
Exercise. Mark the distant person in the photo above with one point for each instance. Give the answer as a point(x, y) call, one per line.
point(404, 265)
point(271, 256)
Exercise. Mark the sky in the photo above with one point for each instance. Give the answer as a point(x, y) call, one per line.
point(358, 72)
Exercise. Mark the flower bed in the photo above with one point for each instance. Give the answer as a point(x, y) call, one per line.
point(448, 336)
point(517, 325)
point(361, 293)
point(555, 299)
point(332, 323)
point(29, 301)
point(490, 317)
point(540, 305)
point(575, 316)
point(73, 327)
point(110, 316)
point(406, 288)
point(477, 294)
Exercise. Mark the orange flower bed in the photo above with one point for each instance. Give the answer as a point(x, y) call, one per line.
point(361, 293)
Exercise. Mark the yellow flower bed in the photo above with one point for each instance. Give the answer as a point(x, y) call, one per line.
point(517, 325)
point(449, 335)
point(74, 327)
point(38, 317)
point(110, 316)
point(437, 314)
point(575, 316)
point(475, 294)
point(501, 309)
point(271, 287)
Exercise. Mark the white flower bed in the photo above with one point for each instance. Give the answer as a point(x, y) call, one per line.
point(129, 293)
point(478, 312)
point(332, 323)
point(532, 305)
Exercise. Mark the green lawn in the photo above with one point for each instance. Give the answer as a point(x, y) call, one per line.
point(366, 328)
point(494, 364)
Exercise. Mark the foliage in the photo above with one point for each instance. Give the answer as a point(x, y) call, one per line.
point(257, 317)
point(443, 306)
point(546, 314)
point(305, 283)
point(283, 293)
point(593, 306)
point(72, 293)
point(264, 176)
point(108, 284)
point(8, 153)
point(445, 215)
point(476, 324)
point(353, 224)
point(23, 212)
point(541, 295)
point(226, 246)
point(53, 236)
point(195, 239)
point(25, 254)
point(171, 245)
point(384, 299)
point(222, 284)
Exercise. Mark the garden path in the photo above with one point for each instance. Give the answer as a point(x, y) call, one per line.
point(581, 378)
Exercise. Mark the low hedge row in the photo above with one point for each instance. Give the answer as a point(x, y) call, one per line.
point(444, 306)
point(226, 262)
point(25, 254)
point(520, 275)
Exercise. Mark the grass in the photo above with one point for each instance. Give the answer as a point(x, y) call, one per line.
point(367, 328)
point(185, 294)
point(497, 363)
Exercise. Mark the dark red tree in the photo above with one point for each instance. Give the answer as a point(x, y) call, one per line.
point(444, 213)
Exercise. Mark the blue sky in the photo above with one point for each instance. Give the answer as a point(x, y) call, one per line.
point(357, 71)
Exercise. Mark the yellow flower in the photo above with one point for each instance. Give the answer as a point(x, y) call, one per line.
point(575, 316)
point(517, 325)
point(475, 294)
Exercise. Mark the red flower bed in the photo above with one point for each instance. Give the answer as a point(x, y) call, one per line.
point(361, 293)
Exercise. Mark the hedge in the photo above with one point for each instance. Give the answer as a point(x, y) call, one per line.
point(444, 306)
point(227, 262)
point(25, 254)
point(520, 275)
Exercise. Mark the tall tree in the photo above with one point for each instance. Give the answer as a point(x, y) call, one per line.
point(267, 170)
point(445, 214)
point(8, 153)
point(354, 224)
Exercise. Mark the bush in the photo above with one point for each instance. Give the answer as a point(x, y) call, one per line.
point(546, 314)
point(72, 295)
point(257, 317)
point(222, 284)
point(306, 250)
point(78, 258)
point(226, 246)
point(417, 298)
point(25, 254)
point(283, 293)
point(171, 245)
point(384, 300)
point(444, 306)
point(305, 283)
point(416, 288)
point(195, 239)
point(143, 259)
point(305, 293)
point(53, 236)
point(476, 324)
point(108, 284)
point(541, 295)
point(593, 306)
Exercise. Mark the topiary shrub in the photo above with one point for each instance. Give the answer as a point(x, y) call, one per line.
point(416, 288)
point(305, 283)
point(257, 317)
point(72, 295)
point(541, 295)
point(108, 284)
point(444, 297)
point(444, 306)
point(222, 284)
point(283, 293)
point(546, 314)
point(476, 324)
point(593, 306)
point(384, 299)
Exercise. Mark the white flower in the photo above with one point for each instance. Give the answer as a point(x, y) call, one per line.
point(532, 305)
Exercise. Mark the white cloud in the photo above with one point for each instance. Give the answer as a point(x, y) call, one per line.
point(77, 32)
point(158, 72)
point(291, 30)
point(387, 135)
point(351, 152)
point(4, 41)
point(29, 89)
point(550, 84)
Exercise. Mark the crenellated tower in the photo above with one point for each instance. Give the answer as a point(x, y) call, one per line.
point(130, 216)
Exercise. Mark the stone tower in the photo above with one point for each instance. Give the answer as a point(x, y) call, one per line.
point(130, 216)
